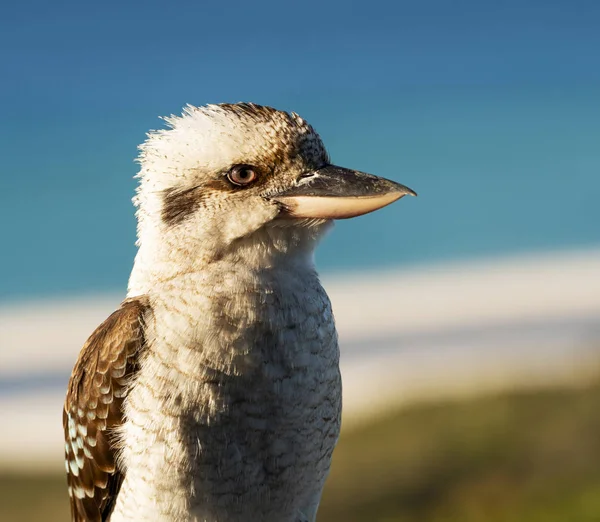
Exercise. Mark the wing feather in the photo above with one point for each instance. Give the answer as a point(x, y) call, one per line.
point(93, 410)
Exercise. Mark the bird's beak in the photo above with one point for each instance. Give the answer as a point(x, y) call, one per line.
point(336, 193)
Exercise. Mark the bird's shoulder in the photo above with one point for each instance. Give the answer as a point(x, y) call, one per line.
point(93, 409)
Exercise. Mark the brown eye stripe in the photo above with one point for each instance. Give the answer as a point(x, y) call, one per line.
point(179, 204)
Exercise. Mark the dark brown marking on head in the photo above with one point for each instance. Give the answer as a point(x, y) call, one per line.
point(292, 134)
point(252, 110)
point(178, 204)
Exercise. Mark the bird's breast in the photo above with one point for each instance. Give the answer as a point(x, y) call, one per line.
point(241, 389)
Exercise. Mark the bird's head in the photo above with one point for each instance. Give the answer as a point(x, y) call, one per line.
point(223, 177)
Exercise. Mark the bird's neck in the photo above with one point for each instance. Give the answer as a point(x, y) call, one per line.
point(160, 262)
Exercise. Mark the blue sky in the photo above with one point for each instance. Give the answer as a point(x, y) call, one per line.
point(490, 110)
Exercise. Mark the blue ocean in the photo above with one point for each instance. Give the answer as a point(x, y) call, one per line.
point(491, 115)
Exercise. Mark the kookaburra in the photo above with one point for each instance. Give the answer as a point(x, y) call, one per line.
point(213, 393)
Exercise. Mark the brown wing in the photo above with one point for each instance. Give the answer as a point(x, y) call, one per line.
point(93, 409)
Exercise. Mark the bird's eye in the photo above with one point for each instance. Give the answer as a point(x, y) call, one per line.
point(242, 175)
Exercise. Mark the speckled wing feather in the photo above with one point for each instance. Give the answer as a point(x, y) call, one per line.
point(93, 410)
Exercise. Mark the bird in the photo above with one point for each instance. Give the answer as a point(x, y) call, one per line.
point(213, 393)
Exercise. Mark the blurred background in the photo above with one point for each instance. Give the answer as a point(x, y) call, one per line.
point(469, 317)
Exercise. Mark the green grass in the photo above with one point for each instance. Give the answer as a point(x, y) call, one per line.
point(32, 498)
point(516, 458)
point(527, 457)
